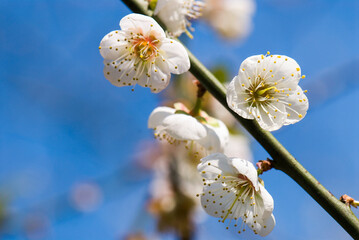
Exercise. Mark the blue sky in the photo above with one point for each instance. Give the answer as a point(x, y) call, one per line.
point(63, 123)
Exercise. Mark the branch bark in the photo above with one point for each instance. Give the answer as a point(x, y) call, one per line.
point(283, 160)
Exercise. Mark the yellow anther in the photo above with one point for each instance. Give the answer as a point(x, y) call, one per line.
point(288, 115)
point(303, 76)
point(300, 115)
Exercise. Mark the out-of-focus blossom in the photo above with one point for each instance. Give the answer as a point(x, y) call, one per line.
point(232, 191)
point(37, 226)
point(173, 191)
point(86, 197)
point(176, 14)
point(231, 18)
point(199, 134)
point(266, 89)
point(141, 54)
point(239, 146)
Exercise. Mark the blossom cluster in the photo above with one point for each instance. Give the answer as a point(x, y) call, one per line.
point(265, 90)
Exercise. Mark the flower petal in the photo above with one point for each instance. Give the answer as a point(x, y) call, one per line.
point(172, 13)
point(216, 139)
point(156, 77)
point(120, 74)
point(299, 106)
point(267, 227)
point(157, 116)
point(160, 5)
point(236, 98)
point(112, 45)
point(270, 117)
point(285, 71)
point(142, 24)
point(246, 169)
point(249, 67)
point(216, 202)
point(175, 55)
point(184, 127)
point(213, 165)
point(268, 203)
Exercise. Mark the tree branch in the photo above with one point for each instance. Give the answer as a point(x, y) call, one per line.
point(283, 160)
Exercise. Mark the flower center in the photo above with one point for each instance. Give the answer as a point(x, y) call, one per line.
point(260, 92)
point(145, 47)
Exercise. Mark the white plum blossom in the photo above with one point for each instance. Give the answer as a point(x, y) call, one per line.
point(141, 54)
point(231, 18)
point(266, 89)
point(201, 135)
point(232, 191)
point(176, 14)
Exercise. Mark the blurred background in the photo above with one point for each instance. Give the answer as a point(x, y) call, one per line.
point(77, 160)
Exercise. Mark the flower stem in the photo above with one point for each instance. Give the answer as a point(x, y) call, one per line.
point(200, 92)
point(283, 160)
point(197, 107)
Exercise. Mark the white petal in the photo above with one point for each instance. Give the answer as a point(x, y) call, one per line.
point(267, 227)
point(236, 98)
point(267, 116)
point(184, 127)
point(112, 45)
point(218, 204)
point(172, 13)
point(261, 226)
point(246, 169)
point(285, 70)
point(175, 55)
point(213, 165)
point(268, 203)
point(158, 77)
point(120, 74)
point(142, 24)
point(160, 5)
point(216, 139)
point(249, 66)
point(157, 116)
point(299, 106)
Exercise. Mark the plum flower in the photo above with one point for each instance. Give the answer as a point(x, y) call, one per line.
point(141, 54)
point(266, 89)
point(201, 135)
point(231, 18)
point(232, 191)
point(176, 14)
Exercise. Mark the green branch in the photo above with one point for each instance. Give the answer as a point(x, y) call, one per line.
point(283, 160)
